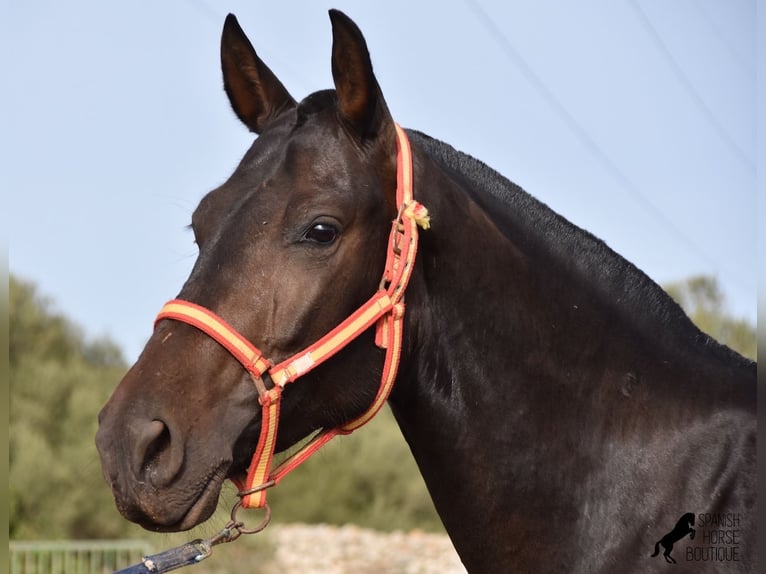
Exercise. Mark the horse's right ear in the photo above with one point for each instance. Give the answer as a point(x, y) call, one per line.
point(255, 93)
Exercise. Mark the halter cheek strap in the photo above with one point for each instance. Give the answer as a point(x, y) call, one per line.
point(385, 310)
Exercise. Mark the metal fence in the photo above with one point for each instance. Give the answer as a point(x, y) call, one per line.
point(75, 556)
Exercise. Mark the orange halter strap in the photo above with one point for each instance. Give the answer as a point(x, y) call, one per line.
point(385, 310)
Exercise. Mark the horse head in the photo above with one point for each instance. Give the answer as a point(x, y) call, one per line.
point(289, 246)
point(687, 520)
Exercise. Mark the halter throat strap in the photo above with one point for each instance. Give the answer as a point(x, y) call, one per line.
point(385, 310)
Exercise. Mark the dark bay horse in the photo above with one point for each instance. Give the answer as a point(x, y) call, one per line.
point(561, 407)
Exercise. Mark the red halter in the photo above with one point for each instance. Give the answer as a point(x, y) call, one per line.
point(385, 309)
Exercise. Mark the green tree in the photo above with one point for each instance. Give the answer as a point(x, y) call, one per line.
point(702, 299)
point(58, 382)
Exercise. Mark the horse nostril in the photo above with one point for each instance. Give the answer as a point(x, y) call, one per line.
point(155, 457)
point(159, 436)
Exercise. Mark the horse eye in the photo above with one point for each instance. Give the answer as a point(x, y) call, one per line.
point(322, 233)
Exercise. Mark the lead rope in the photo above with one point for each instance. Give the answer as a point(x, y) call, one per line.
point(197, 550)
point(385, 310)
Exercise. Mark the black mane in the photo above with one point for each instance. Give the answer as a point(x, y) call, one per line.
point(576, 250)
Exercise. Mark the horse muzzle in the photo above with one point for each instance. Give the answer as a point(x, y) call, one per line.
point(143, 460)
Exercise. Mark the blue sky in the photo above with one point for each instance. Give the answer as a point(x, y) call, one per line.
point(635, 119)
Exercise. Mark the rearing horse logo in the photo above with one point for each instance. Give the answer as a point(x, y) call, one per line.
point(684, 526)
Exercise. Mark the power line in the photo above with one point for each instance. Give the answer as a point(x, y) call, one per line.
point(582, 135)
point(210, 14)
point(689, 88)
point(735, 53)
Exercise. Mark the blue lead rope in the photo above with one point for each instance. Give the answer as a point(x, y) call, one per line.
point(186, 555)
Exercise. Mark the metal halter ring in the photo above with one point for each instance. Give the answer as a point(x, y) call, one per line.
point(240, 526)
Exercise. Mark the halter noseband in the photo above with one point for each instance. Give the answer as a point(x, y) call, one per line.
point(385, 309)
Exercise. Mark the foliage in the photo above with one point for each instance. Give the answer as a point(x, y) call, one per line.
point(703, 301)
point(58, 382)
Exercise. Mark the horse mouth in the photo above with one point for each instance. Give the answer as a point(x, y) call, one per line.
point(201, 508)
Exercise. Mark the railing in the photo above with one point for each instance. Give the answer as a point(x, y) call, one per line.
point(75, 556)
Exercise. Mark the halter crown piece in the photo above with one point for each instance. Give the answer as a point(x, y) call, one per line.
point(385, 309)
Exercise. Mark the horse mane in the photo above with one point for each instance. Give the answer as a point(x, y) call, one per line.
point(575, 250)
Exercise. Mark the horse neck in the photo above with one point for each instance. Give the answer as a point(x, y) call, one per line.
point(508, 349)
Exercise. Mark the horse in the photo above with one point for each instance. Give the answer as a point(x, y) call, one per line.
point(684, 526)
point(558, 403)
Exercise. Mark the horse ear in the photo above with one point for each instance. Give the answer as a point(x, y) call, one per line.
point(360, 101)
point(255, 93)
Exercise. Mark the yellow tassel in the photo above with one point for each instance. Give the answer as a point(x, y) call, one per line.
point(419, 213)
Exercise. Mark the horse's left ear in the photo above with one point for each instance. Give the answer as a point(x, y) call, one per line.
point(360, 102)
